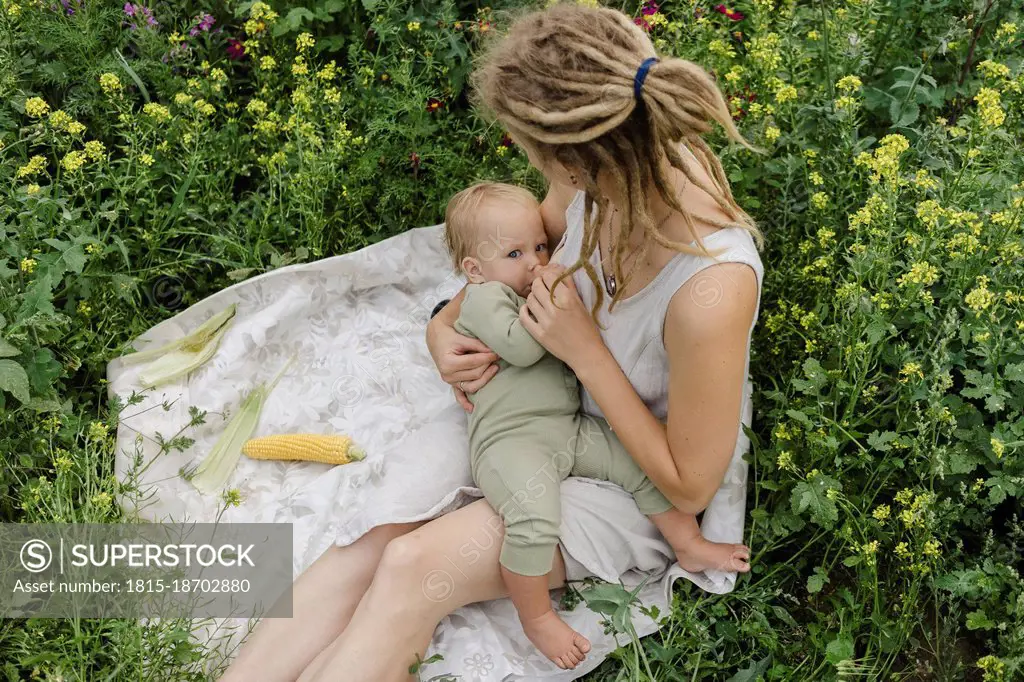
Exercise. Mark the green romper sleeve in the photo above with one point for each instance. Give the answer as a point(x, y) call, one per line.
point(490, 312)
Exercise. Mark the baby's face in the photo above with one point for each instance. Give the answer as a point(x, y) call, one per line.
point(511, 247)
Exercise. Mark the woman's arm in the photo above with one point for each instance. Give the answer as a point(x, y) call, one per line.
point(552, 211)
point(707, 349)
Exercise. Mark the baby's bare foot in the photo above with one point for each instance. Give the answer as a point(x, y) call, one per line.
point(700, 554)
point(556, 640)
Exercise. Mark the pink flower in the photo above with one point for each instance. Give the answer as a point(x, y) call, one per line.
point(236, 50)
point(642, 23)
point(721, 9)
point(129, 9)
point(650, 7)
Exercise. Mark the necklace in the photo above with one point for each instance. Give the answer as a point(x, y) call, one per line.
point(610, 283)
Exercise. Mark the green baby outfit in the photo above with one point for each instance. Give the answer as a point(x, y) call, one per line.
point(527, 434)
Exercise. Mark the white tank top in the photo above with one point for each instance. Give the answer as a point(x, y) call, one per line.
point(633, 331)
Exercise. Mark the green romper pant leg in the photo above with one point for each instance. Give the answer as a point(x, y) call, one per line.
point(601, 455)
point(521, 479)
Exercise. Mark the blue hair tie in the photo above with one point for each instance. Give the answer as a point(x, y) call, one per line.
point(641, 74)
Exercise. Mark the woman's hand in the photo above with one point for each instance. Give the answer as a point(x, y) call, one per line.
point(464, 363)
point(564, 328)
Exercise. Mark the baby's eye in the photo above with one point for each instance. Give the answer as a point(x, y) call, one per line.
point(512, 254)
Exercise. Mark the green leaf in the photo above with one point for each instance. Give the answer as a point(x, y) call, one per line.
point(816, 581)
point(880, 441)
point(753, 673)
point(799, 416)
point(134, 76)
point(1014, 372)
point(839, 649)
point(812, 495)
point(14, 380)
point(38, 298)
point(7, 350)
point(979, 620)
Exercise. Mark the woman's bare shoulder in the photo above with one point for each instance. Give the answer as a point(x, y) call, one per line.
point(553, 209)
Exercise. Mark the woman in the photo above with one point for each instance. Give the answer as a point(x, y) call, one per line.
point(609, 126)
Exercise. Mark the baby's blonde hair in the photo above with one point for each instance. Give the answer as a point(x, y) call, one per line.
point(461, 224)
point(560, 80)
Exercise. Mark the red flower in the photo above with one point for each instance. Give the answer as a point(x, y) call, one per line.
point(650, 7)
point(735, 16)
point(642, 23)
point(721, 9)
point(506, 140)
point(433, 104)
point(415, 159)
point(236, 50)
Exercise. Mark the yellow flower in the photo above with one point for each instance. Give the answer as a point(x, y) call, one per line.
point(994, 69)
point(785, 94)
point(60, 120)
point(75, 128)
point(267, 63)
point(156, 111)
point(980, 298)
point(1006, 31)
point(848, 84)
point(256, 107)
point(413, 26)
point(785, 460)
point(332, 95)
point(819, 200)
point(73, 161)
point(101, 499)
point(27, 265)
point(721, 48)
point(110, 83)
point(881, 512)
point(299, 68)
point(218, 75)
point(36, 107)
point(146, 160)
point(989, 110)
point(734, 74)
point(204, 107)
point(32, 189)
point(923, 180)
point(771, 133)
point(183, 99)
point(901, 550)
point(817, 179)
point(922, 272)
point(845, 102)
point(932, 547)
point(304, 42)
point(813, 35)
point(909, 370)
point(94, 149)
point(998, 447)
point(85, 309)
point(328, 71)
point(175, 38)
point(35, 165)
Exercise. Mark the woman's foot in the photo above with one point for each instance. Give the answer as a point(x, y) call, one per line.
point(556, 640)
point(699, 554)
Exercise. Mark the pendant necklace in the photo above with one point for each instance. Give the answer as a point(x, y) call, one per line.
point(610, 284)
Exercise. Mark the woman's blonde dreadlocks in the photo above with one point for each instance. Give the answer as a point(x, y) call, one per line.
point(561, 81)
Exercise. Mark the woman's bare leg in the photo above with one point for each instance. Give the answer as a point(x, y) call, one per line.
point(423, 576)
point(323, 600)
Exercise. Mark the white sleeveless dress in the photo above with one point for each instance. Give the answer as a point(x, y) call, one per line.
point(633, 334)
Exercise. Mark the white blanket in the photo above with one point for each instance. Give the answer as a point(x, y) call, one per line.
point(356, 323)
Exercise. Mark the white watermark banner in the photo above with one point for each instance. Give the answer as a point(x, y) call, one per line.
point(192, 570)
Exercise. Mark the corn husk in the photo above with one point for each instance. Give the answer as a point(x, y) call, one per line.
point(213, 473)
point(179, 357)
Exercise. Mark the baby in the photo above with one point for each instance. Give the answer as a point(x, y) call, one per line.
point(526, 431)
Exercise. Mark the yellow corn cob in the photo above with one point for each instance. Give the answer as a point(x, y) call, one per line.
point(308, 447)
